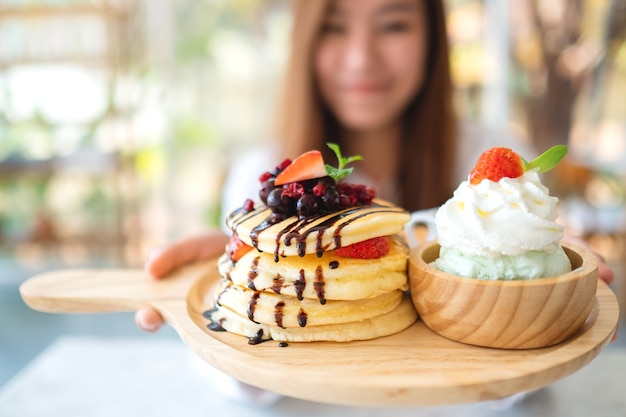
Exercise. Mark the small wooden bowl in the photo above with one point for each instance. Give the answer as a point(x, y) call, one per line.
point(520, 314)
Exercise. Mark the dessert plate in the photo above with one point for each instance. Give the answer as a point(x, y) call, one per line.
point(413, 368)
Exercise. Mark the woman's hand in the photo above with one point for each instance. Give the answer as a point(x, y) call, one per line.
point(164, 260)
point(605, 273)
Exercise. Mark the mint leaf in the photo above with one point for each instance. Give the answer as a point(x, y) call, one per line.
point(547, 160)
point(339, 172)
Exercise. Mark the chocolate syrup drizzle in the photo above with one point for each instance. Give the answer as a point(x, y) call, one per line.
point(253, 273)
point(299, 285)
point(258, 338)
point(214, 325)
point(319, 284)
point(277, 283)
point(252, 305)
point(299, 230)
point(279, 313)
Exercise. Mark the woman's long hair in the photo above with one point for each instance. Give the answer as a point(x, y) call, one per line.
point(430, 128)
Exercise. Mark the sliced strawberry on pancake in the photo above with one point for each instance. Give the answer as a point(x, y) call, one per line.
point(307, 166)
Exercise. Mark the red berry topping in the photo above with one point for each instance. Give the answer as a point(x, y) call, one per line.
point(293, 190)
point(283, 164)
point(307, 166)
point(307, 187)
point(368, 249)
point(265, 176)
point(319, 189)
point(236, 248)
point(355, 194)
point(495, 164)
point(248, 205)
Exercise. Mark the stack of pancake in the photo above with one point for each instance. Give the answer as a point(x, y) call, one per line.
point(294, 287)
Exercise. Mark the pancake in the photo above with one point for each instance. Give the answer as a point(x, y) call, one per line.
point(287, 311)
point(293, 236)
point(386, 324)
point(328, 277)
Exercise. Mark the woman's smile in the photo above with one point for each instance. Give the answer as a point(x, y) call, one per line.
point(363, 88)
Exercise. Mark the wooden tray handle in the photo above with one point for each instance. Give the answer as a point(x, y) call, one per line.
point(107, 290)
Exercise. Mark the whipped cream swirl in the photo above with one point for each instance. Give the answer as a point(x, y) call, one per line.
point(504, 218)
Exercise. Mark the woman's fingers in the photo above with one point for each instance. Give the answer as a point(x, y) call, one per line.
point(148, 319)
point(164, 260)
point(605, 273)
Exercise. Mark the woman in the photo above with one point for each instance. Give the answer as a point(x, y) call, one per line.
point(373, 76)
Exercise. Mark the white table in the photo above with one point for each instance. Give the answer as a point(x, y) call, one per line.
point(121, 377)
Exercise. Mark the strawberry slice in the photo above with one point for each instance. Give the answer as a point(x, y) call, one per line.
point(307, 166)
point(236, 248)
point(368, 249)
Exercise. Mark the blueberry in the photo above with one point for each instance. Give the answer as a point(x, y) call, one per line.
point(331, 200)
point(307, 206)
point(266, 188)
point(277, 202)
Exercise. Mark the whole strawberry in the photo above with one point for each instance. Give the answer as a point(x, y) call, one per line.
point(495, 164)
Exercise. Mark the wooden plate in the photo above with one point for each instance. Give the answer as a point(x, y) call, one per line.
point(413, 368)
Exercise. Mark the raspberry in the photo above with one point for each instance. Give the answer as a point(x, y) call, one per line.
point(293, 190)
point(365, 194)
point(283, 165)
point(495, 164)
point(319, 190)
point(248, 205)
point(265, 176)
point(355, 194)
point(368, 249)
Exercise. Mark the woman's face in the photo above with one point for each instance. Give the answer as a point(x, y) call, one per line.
point(370, 60)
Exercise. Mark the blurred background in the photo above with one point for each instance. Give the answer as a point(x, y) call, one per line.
point(119, 119)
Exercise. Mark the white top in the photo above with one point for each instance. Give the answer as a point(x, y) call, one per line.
point(242, 181)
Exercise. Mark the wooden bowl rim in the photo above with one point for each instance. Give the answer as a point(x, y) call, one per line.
point(588, 266)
